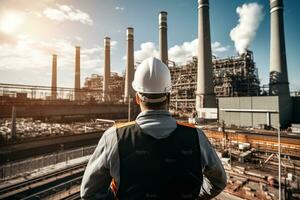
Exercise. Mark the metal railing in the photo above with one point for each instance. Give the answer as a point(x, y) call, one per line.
point(20, 94)
point(30, 165)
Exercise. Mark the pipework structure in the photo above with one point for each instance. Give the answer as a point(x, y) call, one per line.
point(163, 37)
point(77, 73)
point(236, 76)
point(232, 77)
point(93, 88)
point(184, 83)
point(279, 84)
point(205, 97)
point(106, 73)
point(54, 77)
point(129, 92)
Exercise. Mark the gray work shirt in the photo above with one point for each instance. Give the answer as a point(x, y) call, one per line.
point(104, 164)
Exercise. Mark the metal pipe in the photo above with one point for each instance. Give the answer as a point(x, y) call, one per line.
point(279, 163)
point(129, 108)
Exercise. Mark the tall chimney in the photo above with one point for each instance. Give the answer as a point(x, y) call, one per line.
point(129, 65)
point(106, 74)
point(77, 73)
point(205, 97)
point(54, 77)
point(279, 83)
point(163, 37)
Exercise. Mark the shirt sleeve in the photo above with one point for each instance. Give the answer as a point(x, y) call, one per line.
point(96, 179)
point(214, 176)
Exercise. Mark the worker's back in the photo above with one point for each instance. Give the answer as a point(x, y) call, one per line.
point(153, 157)
point(151, 168)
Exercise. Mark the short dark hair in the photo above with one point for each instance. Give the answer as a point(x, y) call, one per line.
point(158, 105)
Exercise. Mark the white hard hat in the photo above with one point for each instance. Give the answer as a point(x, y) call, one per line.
point(152, 76)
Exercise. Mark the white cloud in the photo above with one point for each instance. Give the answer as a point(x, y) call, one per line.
point(36, 54)
point(250, 17)
point(30, 55)
point(180, 54)
point(119, 8)
point(67, 12)
point(147, 49)
point(113, 43)
point(217, 47)
point(7, 38)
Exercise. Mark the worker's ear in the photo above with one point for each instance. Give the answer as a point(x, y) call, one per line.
point(137, 99)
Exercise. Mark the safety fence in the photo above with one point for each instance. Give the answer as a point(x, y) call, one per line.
point(25, 167)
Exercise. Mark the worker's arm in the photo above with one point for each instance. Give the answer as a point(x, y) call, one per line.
point(96, 179)
point(214, 176)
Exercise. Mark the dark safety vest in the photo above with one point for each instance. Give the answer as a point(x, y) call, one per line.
point(150, 168)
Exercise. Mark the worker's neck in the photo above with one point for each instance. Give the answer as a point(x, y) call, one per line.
point(143, 108)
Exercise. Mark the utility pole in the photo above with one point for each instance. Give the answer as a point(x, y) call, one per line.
point(13, 124)
point(129, 107)
point(230, 137)
point(279, 163)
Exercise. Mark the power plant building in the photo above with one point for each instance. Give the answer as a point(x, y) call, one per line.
point(236, 76)
point(233, 76)
point(93, 88)
point(277, 110)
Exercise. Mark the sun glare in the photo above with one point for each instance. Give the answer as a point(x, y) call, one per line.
point(10, 21)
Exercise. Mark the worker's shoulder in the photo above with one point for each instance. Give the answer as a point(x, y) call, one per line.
point(125, 124)
point(185, 124)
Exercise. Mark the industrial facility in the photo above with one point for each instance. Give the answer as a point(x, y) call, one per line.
point(232, 77)
point(47, 134)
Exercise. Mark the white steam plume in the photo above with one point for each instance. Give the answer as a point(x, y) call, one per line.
point(250, 17)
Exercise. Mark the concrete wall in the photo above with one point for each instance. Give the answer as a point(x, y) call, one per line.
point(296, 109)
point(253, 111)
point(107, 111)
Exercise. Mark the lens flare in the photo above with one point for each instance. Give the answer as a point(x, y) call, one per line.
point(10, 22)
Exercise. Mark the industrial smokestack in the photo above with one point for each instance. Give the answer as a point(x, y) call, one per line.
point(77, 73)
point(163, 37)
point(279, 84)
point(54, 77)
point(129, 65)
point(205, 97)
point(106, 74)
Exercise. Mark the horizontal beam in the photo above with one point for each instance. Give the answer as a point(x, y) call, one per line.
point(248, 110)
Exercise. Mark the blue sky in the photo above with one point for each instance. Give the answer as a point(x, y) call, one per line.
point(28, 48)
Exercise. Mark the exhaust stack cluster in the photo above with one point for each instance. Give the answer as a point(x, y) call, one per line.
point(205, 97)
